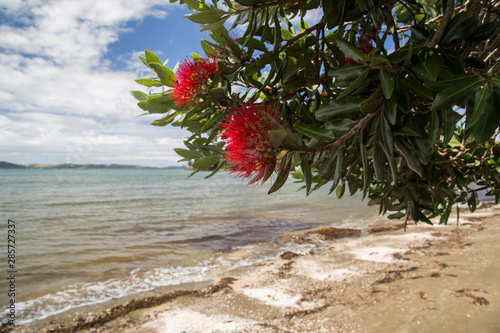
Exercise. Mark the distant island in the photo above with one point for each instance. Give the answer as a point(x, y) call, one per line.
point(7, 165)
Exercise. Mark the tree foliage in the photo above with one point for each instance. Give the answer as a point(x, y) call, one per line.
point(398, 100)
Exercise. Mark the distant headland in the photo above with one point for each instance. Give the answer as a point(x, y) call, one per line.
point(7, 165)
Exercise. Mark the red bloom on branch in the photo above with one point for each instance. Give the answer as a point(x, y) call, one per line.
point(364, 45)
point(248, 147)
point(192, 76)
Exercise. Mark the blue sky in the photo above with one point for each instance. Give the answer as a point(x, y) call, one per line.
point(66, 69)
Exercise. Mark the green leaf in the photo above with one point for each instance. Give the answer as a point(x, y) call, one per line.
point(448, 124)
point(338, 168)
point(455, 94)
point(339, 109)
point(139, 95)
point(233, 46)
point(152, 58)
point(215, 25)
point(349, 50)
point(348, 72)
point(205, 163)
point(483, 31)
point(486, 126)
point(153, 107)
point(386, 136)
point(165, 120)
point(306, 171)
point(453, 61)
point(149, 82)
point(433, 129)
point(452, 27)
point(496, 81)
point(373, 103)
point(482, 103)
point(360, 80)
point(283, 138)
point(340, 128)
point(408, 152)
point(284, 170)
point(206, 17)
point(166, 75)
point(188, 154)
point(379, 162)
point(387, 83)
point(417, 88)
point(451, 82)
point(427, 66)
point(319, 134)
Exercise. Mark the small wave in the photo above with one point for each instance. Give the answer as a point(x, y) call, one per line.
point(82, 294)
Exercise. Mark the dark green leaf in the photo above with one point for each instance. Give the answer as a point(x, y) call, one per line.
point(452, 27)
point(482, 103)
point(373, 103)
point(319, 134)
point(408, 152)
point(417, 88)
point(449, 122)
point(483, 31)
point(339, 109)
point(433, 129)
point(451, 82)
point(348, 72)
point(455, 94)
point(426, 66)
point(284, 170)
point(306, 171)
point(386, 137)
point(486, 126)
point(360, 80)
point(453, 61)
point(387, 83)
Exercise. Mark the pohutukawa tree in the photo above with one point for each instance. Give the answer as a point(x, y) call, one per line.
point(398, 100)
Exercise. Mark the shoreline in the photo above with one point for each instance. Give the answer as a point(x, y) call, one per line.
point(426, 279)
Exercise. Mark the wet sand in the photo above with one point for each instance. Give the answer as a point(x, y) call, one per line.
point(427, 279)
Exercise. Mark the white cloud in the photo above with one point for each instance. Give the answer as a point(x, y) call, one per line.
point(58, 94)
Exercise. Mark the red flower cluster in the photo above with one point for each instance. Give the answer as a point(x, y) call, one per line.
point(364, 45)
point(191, 76)
point(248, 147)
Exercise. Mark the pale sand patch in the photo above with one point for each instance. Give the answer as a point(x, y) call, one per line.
point(274, 297)
point(186, 320)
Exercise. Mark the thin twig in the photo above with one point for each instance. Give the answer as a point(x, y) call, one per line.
point(340, 141)
point(302, 34)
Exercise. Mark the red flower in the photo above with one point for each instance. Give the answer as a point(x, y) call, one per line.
point(248, 147)
point(364, 45)
point(192, 75)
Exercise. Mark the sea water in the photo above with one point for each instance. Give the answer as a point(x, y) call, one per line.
point(87, 236)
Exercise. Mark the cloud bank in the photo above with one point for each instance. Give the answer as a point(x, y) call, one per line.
point(61, 100)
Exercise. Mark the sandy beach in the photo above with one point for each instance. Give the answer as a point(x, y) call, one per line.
point(427, 279)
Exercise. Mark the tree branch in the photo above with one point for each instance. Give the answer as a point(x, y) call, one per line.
point(448, 13)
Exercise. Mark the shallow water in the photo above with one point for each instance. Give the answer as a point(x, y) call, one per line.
point(88, 236)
